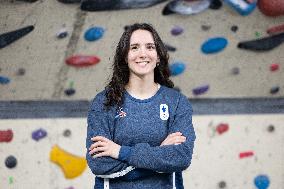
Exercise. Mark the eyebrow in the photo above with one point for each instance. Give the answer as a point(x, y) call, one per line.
point(135, 44)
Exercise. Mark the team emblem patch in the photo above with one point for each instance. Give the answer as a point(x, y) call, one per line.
point(120, 113)
point(164, 111)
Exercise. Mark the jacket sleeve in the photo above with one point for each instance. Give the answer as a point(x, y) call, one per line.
point(169, 158)
point(106, 167)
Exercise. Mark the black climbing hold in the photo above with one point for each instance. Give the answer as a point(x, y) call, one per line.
point(170, 48)
point(274, 90)
point(21, 71)
point(215, 4)
point(270, 128)
point(222, 184)
point(205, 27)
point(67, 133)
point(11, 162)
point(234, 28)
point(69, 92)
point(235, 71)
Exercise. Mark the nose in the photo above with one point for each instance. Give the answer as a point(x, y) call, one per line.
point(142, 52)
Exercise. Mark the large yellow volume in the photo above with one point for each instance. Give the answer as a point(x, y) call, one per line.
point(71, 165)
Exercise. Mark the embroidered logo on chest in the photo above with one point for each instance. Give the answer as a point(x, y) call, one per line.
point(164, 111)
point(120, 113)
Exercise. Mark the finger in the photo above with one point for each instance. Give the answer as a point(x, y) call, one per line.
point(99, 138)
point(98, 149)
point(175, 134)
point(97, 144)
point(101, 154)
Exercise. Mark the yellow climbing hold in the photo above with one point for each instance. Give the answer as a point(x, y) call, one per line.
point(71, 165)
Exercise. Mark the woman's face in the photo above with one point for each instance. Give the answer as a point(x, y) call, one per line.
point(142, 55)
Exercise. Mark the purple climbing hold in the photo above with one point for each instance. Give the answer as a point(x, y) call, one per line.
point(177, 30)
point(39, 134)
point(62, 33)
point(177, 68)
point(214, 45)
point(94, 33)
point(200, 90)
point(4, 80)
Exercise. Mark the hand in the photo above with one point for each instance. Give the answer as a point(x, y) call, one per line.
point(174, 139)
point(104, 147)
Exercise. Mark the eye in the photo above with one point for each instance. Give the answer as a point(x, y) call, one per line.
point(151, 47)
point(134, 47)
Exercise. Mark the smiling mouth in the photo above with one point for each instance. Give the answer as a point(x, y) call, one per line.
point(143, 63)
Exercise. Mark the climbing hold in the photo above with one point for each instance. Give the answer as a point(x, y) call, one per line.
point(263, 44)
point(99, 5)
point(94, 33)
point(222, 184)
point(200, 90)
point(39, 134)
point(4, 80)
point(215, 4)
point(261, 181)
point(177, 30)
point(21, 72)
point(274, 67)
point(241, 6)
point(12, 36)
point(214, 45)
point(222, 127)
point(11, 180)
point(234, 28)
point(270, 128)
point(170, 48)
point(69, 1)
point(11, 162)
point(205, 27)
point(185, 7)
point(235, 71)
point(177, 68)
point(70, 92)
point(274, 90)
point(275, 29)
point(6, 136)
point(67, 133)
point(82, 61)
point(271, 7)
point(245, 154)
point(257, 34)
point(62, 33)
point(29, 1)
point(70, 187)
point(71, 165)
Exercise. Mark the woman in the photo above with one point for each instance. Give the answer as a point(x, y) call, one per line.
point(140, 132)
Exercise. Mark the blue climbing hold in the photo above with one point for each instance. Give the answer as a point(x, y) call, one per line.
point(177, 68)
point(261, 181)
point(243, 7)
point(214, 45)
point(4, 80)
point(39, 134)
point(94, 33)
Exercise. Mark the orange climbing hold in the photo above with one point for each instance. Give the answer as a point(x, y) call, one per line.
point(71, 165)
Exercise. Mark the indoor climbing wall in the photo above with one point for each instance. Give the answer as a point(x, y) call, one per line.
point(226, 56)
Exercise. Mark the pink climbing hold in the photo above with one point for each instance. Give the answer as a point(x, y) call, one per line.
point(6, 136)
point(274, 67)
point(275, 29)
point(246, 154)
point(82, 61)
point(222, 127)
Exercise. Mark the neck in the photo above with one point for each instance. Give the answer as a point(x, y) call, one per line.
point(141, 87)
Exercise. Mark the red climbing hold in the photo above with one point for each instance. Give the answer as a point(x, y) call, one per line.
point(82, 61)
point(245, 154)
point(6, 136)
point(274, 67)
point(222, 127)
point(271, 7)
point(275, 29)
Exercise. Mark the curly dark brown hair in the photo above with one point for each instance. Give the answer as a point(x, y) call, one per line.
point(120, 76)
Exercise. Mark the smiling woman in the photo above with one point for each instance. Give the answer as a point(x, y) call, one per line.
point(140, 133)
